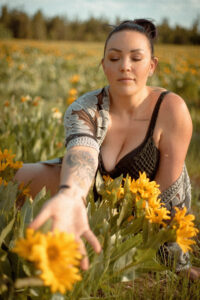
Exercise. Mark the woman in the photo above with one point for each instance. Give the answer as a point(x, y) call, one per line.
point(125, 127)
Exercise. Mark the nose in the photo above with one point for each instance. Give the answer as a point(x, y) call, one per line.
point(125, 65)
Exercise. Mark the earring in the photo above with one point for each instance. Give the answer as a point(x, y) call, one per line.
point(150, 73)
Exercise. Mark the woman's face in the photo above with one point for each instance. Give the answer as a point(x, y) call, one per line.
point(127, 62)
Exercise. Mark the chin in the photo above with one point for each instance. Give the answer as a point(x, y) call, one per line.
point(126, 90)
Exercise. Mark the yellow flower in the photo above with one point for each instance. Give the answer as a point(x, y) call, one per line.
point(107, 179)
point(183, 236)
point(143, 188)
point(71, 99)
point(25, 191)
point(6, 103)
point(181, 217)
point(21, 67)
point(24, 247)
point(3, 165)
point(25, 98)
point(55, 254)
point(59, 258)
point(167, 70)
point(59, 145)
point(2, 181)
point(184, 228)
point(36, 101)
point(6, 154)
point(56, 113)
point(75, 78)
point(154, 203)
point(16, 165)
point(72, 92)
point(157, 215)
point(6, 159)
point(120, 192)
point(130, 218)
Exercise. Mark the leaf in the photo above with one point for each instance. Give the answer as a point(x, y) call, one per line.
point(144, 254)
point(162, 236)
point(145, 234)
point(151, 265)
point(5, 267)
point(39, 201)
point(8, 195)
point(27, 282)
point(125, 246)
point(126, 210)
point(97, 218)
point(57, 296)
point(99, 182)
point(6, 230)
point(134, 227)
point(3, 255)
point(26, 213)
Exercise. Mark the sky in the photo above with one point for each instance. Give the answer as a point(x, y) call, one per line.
point(181, 12)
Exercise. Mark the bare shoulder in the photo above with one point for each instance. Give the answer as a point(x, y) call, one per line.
point(174, 114)
point(174, 105)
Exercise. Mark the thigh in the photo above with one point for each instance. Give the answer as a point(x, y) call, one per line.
point(38, 175)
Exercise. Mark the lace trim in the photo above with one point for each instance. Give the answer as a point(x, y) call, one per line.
point(83, 141)
point(171, 192)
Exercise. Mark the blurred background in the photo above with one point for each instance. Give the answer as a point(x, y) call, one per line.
point(50, 54)
point(87, 20)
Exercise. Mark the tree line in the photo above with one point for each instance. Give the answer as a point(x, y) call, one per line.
point(17, 24)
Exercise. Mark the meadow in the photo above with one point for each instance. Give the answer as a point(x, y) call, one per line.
point(38, 80)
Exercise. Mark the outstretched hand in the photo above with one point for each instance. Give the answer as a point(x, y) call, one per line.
point(69, 215)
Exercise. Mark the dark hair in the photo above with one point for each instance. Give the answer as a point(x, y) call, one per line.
point(143, 26)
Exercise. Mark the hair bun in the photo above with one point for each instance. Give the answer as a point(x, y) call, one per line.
point(148, 26)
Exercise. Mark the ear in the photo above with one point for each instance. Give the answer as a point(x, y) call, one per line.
point(153, 65)
point(102, 63)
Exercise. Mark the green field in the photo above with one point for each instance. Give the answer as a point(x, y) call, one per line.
point(38, 80)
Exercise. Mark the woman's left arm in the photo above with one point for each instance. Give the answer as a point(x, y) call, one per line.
point(176, 131)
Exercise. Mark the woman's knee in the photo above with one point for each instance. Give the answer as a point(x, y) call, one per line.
point(38, 175)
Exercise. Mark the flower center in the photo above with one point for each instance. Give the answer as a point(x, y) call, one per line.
point(52, 252)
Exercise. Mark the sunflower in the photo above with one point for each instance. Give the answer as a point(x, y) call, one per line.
point(24, 246)
point(59, 258)
point(55, 255)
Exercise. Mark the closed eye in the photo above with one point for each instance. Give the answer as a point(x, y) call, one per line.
point(136, 59)
point(114, 59)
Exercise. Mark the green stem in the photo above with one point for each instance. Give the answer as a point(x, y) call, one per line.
point(26, 282)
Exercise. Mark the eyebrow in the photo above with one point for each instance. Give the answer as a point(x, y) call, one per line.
point(118, 50)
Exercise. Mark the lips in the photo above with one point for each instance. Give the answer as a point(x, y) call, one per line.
point(125, 79)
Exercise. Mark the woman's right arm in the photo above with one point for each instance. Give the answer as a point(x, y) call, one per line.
point(67, 208)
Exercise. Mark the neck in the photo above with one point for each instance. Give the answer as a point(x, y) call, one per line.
point(120, 104)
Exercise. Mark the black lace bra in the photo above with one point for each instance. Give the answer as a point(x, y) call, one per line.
point(145, 157)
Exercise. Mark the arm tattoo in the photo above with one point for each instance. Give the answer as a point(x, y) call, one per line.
point(82, 165)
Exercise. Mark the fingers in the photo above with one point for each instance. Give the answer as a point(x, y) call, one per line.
point(92, 240)
point(41, 218)
point(84, 262)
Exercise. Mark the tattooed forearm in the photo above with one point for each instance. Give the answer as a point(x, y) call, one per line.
point(82, 165)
